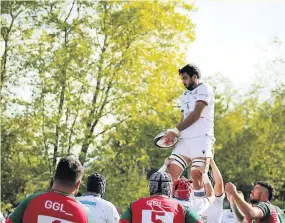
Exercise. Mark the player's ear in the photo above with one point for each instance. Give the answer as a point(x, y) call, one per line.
point(77, 185)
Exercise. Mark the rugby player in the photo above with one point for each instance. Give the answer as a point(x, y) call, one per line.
point(158, 207)
point(102, 211)
point(58, 204)
point(260, 209)
point(196, 127)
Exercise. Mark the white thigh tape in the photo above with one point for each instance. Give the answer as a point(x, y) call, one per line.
point(197, 163)
point(179, 161)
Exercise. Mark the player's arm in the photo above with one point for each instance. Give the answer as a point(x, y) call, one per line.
point(247, 209)
point(219, 183)
point(126, 216)
point(193, 116)
point(191, 216)
point(210, 195)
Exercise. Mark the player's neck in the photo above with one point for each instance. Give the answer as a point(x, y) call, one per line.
point(63, 189)
point(196, 85)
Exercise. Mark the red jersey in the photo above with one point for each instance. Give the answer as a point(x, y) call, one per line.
point(52, 207)
point(158, 209)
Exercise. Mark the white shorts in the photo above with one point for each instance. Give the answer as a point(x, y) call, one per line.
point(201, 146)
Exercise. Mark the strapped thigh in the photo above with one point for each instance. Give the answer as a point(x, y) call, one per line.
point(179, 161)
point(196, 163)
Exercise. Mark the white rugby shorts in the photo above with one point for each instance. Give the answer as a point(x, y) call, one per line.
point(200, 146)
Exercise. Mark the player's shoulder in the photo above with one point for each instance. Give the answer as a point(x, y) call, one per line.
point(31, 197)
point(204, 87)
point(106, 204)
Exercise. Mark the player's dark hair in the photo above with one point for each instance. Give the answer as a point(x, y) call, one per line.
point(269, 187)
point(96, 183)
point(68, 171)
point(190, 69)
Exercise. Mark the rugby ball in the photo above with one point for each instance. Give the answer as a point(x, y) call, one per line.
point(159, 141)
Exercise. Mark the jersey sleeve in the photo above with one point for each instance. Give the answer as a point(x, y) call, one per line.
point(204, 94)
point(219, 200)
point(264, 207)
point(127, 216)
point(191, 217)
point(18, 213)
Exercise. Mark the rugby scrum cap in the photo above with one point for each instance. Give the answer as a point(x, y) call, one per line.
point(160, 183)
point(96, 183)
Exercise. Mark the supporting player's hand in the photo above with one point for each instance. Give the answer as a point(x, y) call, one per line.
point(169, 137)
point(230, 189)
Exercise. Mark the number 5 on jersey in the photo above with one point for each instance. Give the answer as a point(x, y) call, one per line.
point(149, 216)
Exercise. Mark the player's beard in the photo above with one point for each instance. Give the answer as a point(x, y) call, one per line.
point(254, 201)
point(190, 86)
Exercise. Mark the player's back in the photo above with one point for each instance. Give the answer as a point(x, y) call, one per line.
point(158, 209)
point(102, 210)
point(52, 207)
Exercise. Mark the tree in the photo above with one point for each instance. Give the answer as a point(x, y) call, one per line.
point(88, 67)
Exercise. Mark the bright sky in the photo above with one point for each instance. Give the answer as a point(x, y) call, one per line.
point(231, 35)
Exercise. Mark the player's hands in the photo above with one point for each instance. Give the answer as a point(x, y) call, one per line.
point(169, 137)
point(230, 189)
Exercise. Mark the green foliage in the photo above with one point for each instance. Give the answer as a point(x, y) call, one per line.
point(74, 73)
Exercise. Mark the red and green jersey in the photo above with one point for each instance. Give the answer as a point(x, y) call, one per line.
point(271, 214)
point(158, 209)
point(51, 207)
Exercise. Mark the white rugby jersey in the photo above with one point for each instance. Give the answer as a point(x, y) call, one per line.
point(196, 204)
point(102, 211)
point(228, 216)
point(205, 125)
point(215, 211)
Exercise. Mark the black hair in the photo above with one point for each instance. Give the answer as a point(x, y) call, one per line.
point(269, 187)
point(68, 171)
point(96, 183)
point(190, 69)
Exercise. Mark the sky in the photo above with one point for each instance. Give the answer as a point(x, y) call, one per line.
point(231, 36)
